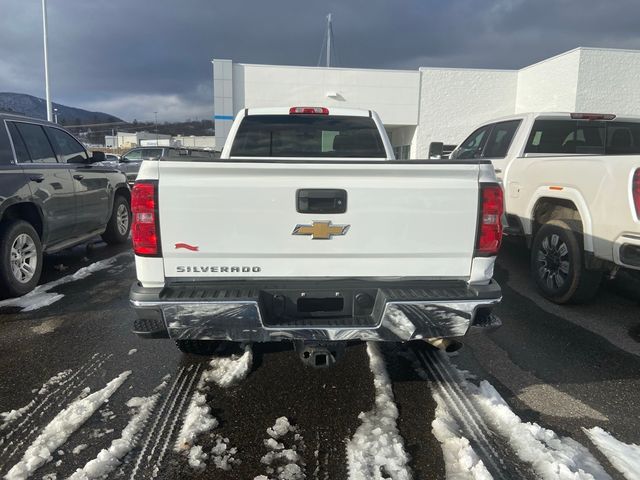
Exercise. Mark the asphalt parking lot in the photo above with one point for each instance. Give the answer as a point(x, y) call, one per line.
point(565, 369)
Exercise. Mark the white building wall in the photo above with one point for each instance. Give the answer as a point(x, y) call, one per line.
point(222, 98)
point(550, 85)
point(198, 141)
point(453, 101)
point(391, 93)
point(609, 81)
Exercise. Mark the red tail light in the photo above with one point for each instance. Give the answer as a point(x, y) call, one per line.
point(490, 225)
point(308, 111)
point(635, 189)
point(593, 116)
point(144, 228)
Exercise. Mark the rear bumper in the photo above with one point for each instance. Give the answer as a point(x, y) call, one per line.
point(275, 310)
point(626, 251)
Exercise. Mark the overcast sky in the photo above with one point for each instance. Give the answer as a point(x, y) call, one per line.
point(132, 57)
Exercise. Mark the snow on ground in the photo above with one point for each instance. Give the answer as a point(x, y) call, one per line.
point(41, 297)
point(132, 351)
point(461, 461)
point(623, 456)
point(79, 448)
point(56, 433)
point(225, 372)
point(283, 460)
point(109, 458)
point(228, 371)
point(7, 417)
point(376, 450)
point(552, 457)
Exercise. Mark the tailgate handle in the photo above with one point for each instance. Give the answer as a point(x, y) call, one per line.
point(321, 200)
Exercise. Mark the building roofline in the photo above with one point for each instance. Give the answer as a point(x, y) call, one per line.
point(309, 67)
point(458, 69)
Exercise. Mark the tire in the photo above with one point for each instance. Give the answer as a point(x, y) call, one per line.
point(557, 264)
point(120, 222)
point(199, 347)
point(20, 258)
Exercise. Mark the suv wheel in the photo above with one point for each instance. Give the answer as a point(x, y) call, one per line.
point(557, 265)
point(20, 258)
point(120, 222)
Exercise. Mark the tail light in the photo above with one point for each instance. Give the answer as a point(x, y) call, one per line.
point(635, 190)
point(490, 224)
point(308, 111)
point(144, 228)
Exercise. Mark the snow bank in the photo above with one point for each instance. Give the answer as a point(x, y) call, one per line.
point(228, 371)
point(461, 461)
point(108, 459)
point(376, 450)
point(552, 457)
point(623, 456)
point(60, 429)
point(40, 297)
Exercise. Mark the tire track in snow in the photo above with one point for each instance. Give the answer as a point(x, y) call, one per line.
point(496, 454)
point(160, 434)
point(177, 416)
point(25, 431)
point(152, 430)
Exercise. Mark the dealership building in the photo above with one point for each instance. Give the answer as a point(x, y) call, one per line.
point(428, 105)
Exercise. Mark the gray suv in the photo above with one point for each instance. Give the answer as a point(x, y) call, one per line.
point(53, 195)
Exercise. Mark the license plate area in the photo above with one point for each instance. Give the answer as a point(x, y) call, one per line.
point(298, 308)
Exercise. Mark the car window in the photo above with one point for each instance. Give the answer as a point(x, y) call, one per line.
point(308, 136)
point(69, 149)
point(22, 155)
point(37, 143)
point(566, 136)
point(151, 153)
point(623, 138)
point(500, 139)
point(473, 145)
point(133, 155)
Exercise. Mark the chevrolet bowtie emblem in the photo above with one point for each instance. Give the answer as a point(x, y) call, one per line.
point(321, 230)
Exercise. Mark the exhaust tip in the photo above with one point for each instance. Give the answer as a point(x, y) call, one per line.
point(444, 344)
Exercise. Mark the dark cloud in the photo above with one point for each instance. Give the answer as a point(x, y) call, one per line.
point(138, 56)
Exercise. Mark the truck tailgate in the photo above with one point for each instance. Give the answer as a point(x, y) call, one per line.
point(237, 220)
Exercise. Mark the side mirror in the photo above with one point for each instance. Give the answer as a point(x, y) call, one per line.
point(435, 150)
point(98, 156)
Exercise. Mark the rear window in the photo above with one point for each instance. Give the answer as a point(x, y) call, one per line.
point(584, 137)
point(307, 136)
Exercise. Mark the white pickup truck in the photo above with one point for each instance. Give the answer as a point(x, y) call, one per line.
point(307, 230)
point(572, 188)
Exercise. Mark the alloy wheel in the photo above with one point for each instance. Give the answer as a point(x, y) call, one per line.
point(553, 261)
point(23, 258)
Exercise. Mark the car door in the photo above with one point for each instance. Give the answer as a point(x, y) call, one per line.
point(50, 182)
point(498, 143)
point(130, 164)
point(90, 182)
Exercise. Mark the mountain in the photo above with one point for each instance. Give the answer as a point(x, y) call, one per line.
point(23, 104)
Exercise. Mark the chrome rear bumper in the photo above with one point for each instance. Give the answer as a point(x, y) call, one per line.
point(401, 312)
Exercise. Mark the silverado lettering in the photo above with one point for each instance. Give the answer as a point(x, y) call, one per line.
point(216, 269)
